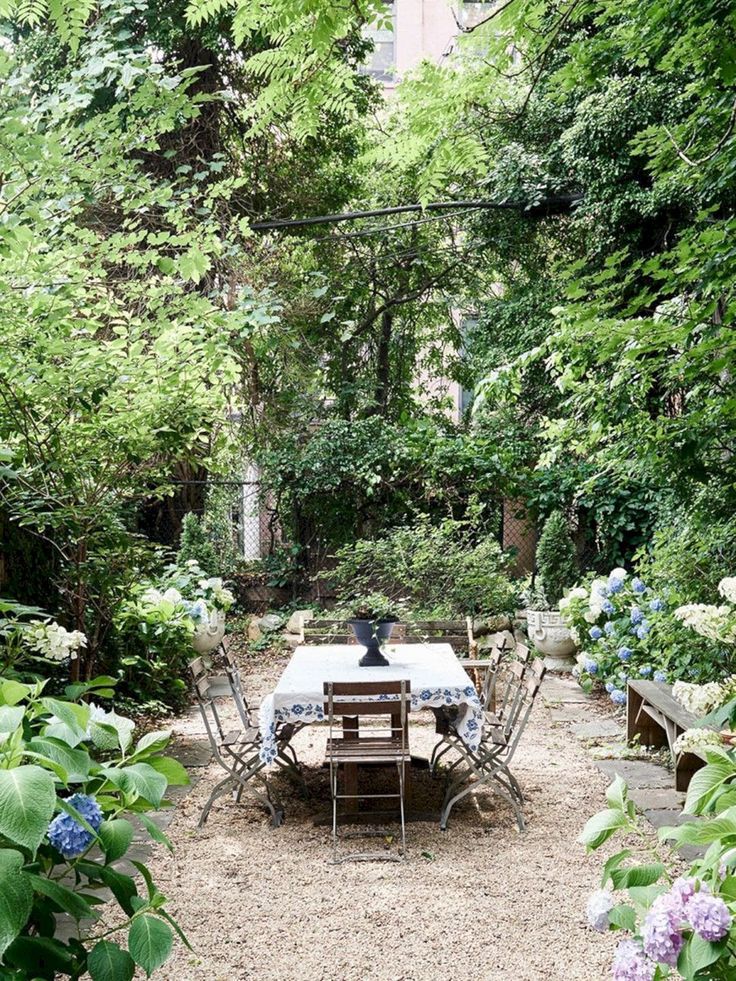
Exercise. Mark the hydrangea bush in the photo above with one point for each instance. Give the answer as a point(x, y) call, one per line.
point(155, 629)
point(671, 922)
point(71, 779)
point(614, 620)
point(628, 629)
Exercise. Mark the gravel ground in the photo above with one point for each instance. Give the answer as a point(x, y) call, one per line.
point(480, 900)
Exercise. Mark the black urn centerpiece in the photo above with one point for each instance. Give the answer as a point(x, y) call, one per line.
point(372, 621)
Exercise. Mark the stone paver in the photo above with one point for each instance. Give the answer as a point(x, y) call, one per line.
point(598, 729)
point(647, 799)
point(637, 773)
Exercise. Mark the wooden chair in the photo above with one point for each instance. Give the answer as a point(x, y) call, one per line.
point(489, 765)
point(326, 632)
point(350, 746)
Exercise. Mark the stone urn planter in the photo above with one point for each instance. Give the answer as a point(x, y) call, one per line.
point(371, 634)
point(209, 634)
point(551, 637)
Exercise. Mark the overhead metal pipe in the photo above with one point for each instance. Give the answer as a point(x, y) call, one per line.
point(548, 205)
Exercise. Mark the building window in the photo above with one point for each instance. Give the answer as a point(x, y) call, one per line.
point(381, 62)
point(470, 14)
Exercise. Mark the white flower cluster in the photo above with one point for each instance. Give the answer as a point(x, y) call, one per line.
point(154, 597)
point(698, 699)
point(714, 622)
point(53, 641)
point(577, 593)
point(213, 588)
point(727, 589)
point(693, 740)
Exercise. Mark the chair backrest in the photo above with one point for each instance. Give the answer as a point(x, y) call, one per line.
point(456, 633)
point(326, 632)
point(518, 717)
point(208, 688)
point(375, 698)
point(504, 681)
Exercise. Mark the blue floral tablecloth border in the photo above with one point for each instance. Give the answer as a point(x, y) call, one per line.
point(468, 724)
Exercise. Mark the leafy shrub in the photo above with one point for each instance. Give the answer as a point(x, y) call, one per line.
point(440, 570)
point(70, 775)
point(556, 558)
point(195, 546)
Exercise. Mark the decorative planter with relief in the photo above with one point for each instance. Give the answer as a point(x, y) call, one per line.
point(209, 633)
point(551, 637)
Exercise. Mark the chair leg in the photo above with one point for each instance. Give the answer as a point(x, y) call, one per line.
point(333, 788)
point(219, 790)
point(400, 769)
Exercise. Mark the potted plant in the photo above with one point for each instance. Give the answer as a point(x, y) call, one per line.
point(372, 618)
point(556, 571)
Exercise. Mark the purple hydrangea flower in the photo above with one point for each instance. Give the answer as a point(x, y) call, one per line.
point(609, 627)
point(618, 697)
point(67, 835)
point(638, 586)
point(661, 933)
point(660, 676)
point(595, 633)
point(624, 653)
point(636, 615)
point(631, 964)
point(645, 670)
point(600, 904)
point(656, 605)
point(590, 666)
point(682, 891)
point(608, 607)
point(708, 916)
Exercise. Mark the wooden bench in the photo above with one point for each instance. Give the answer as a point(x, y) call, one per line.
point(456, 633)
point(658, 719)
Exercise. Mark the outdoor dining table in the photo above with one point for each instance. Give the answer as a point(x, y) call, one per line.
point(436, 675)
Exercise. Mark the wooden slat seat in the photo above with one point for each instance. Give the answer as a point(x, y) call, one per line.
point(656, 718)
point(368, 749)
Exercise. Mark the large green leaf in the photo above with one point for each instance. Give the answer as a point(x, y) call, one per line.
point(11, 718)
point(27, 800)
point(70, 713)
point(176, 775)
point(706, 783)
point(152, 742)
point(149, 942)
point(13, 692)
point(154, 831)
point(116, 837)
point(75, 762)
point(16, 897)
point(601, 826)
point(108, 962)
point(140, 779)
point(65, 898)
point(697, 954)
point(122, 886)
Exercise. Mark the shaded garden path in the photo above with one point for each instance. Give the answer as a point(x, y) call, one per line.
point(479, 900)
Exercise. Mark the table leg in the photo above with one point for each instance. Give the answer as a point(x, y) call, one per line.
point(350, 726)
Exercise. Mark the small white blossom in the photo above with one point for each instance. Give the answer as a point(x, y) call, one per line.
point(600, 905)
point(727, 588)
point(693, 740)
point(698, 699)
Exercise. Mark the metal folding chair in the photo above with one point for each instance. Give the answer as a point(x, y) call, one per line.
point(237, 751)
point(489, 765)
point(349, 745)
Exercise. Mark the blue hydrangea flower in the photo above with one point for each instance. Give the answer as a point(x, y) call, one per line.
point(608, 607)
point(660, 676)
point(656, 604)
point(590, 666)
point(645, 670)
point(636, 615)
point(624, 653)
point(618, 697)
point(642, 630)
point(595, 633)
point(67, 835)
point(610, 687)
point(615, 585)
point(638, 586)
point(609, 628)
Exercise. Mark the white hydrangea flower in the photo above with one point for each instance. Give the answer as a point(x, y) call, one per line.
point(619, 573)
point(727, 588)
point(172, 596)
point(152, 596)
point(693, 740)
point(698, 699)
point(714, 622)
point(600, 904)
point(53, 641)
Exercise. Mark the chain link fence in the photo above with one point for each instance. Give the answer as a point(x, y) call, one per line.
point(234, 508)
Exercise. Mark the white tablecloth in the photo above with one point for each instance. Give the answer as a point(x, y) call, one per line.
point(437, 678)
